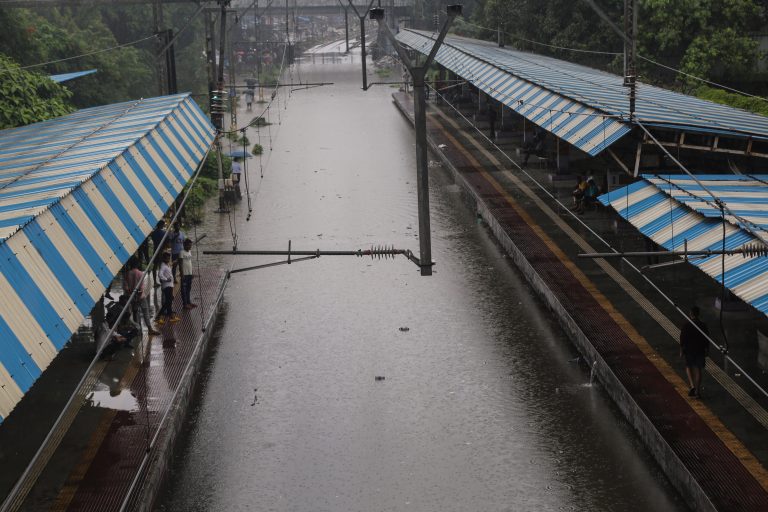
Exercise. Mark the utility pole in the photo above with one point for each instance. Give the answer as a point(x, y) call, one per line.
point(346, 24)
point(362, 38)
point(218, 119)
point(157, 18)
point(630, 52)
point(418, 74)
point(170, 62)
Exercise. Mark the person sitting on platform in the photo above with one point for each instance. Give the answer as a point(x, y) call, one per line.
point(590, 195)
point(534, 146)
point(578, 192)
point(126, 329)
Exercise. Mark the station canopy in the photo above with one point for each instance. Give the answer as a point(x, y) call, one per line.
point(78, 195)
point(674, 209)
point(580, 105)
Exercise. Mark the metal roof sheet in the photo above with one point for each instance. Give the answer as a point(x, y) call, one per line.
point(63, 77)
point(78, 195)
point(673, 209)
point(575, 84)
point(586, 128)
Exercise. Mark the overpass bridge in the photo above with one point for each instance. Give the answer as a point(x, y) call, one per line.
point(312, 7)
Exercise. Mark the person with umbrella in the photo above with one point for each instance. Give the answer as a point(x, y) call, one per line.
point(237, 170)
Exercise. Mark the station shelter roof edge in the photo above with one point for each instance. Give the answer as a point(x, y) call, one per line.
point(586, 107)
point(675, 212)
point(78, 195)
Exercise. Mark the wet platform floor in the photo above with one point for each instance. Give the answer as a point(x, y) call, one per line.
point(721, 460)
point(92, 462)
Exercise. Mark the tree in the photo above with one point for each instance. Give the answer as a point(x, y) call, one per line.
point(27, 97)
point(706, 38)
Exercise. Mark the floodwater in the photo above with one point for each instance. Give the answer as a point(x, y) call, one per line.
point(350, 384)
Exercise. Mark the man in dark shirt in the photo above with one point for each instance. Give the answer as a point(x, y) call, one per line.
point(157, 243)
point(694, 347)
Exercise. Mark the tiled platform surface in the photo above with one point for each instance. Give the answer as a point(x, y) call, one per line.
point(100, 453)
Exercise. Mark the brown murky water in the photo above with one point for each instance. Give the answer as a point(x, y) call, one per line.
point(483, 405)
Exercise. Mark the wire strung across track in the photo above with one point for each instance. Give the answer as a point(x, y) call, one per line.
point(607, 244)
point(614, 54)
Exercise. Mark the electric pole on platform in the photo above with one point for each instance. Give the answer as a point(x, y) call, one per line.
point(418, 74)
point(630, 51)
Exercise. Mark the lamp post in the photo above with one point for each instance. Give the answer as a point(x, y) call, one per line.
point(418, 73)
point(362, 39)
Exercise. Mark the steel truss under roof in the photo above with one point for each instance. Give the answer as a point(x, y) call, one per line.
point(78, 195)
point(675, 211)
point(583, 106)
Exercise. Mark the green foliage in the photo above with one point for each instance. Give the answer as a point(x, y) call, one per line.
point(27, 97)
point(706, 38)
point(257, 149)
point(211, 166)
point(755, 105)
point(202, 190)
point(259, 121)
point(125, 73)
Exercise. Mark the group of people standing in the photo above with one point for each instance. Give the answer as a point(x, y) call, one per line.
point(172, 256)
point(166, 265)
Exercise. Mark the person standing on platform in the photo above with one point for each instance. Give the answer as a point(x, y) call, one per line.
point(694, 347)
point(177, 244)
point(186, 275)
point(237, 170)
point(491, 122)
point(147, 287)
point(157, 235)
point(166, 283)
point(133, 279)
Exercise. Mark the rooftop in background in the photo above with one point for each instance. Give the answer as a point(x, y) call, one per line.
point(562, 97)
point(674, 210)
point(78, 195)
point(71, 76)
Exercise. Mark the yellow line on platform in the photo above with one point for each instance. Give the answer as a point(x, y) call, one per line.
point(714, 423)
point(78, 472)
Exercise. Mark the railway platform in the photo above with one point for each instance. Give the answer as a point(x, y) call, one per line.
point(711, 449)
point(116, 437)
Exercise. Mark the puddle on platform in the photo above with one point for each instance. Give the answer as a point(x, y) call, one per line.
point(106, 398)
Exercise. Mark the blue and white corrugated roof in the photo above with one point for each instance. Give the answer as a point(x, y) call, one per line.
point(673, 209)
point(559, 95)
point(63, 77)
point(78, 195)
point(587, 128)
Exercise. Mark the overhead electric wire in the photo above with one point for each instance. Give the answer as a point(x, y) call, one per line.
point(579, 50)
point(602, 86)
point(668, 299)
point(55, 430)
point(649, 60)
point(670, 68)
point(103, 50)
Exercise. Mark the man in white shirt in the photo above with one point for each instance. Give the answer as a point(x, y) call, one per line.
point(165, 275)
point(186, 274)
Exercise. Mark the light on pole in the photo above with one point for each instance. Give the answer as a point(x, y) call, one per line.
point(418, 73)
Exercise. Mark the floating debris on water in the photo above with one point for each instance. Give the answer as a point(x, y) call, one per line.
point(379, 377)
point(404, 329)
